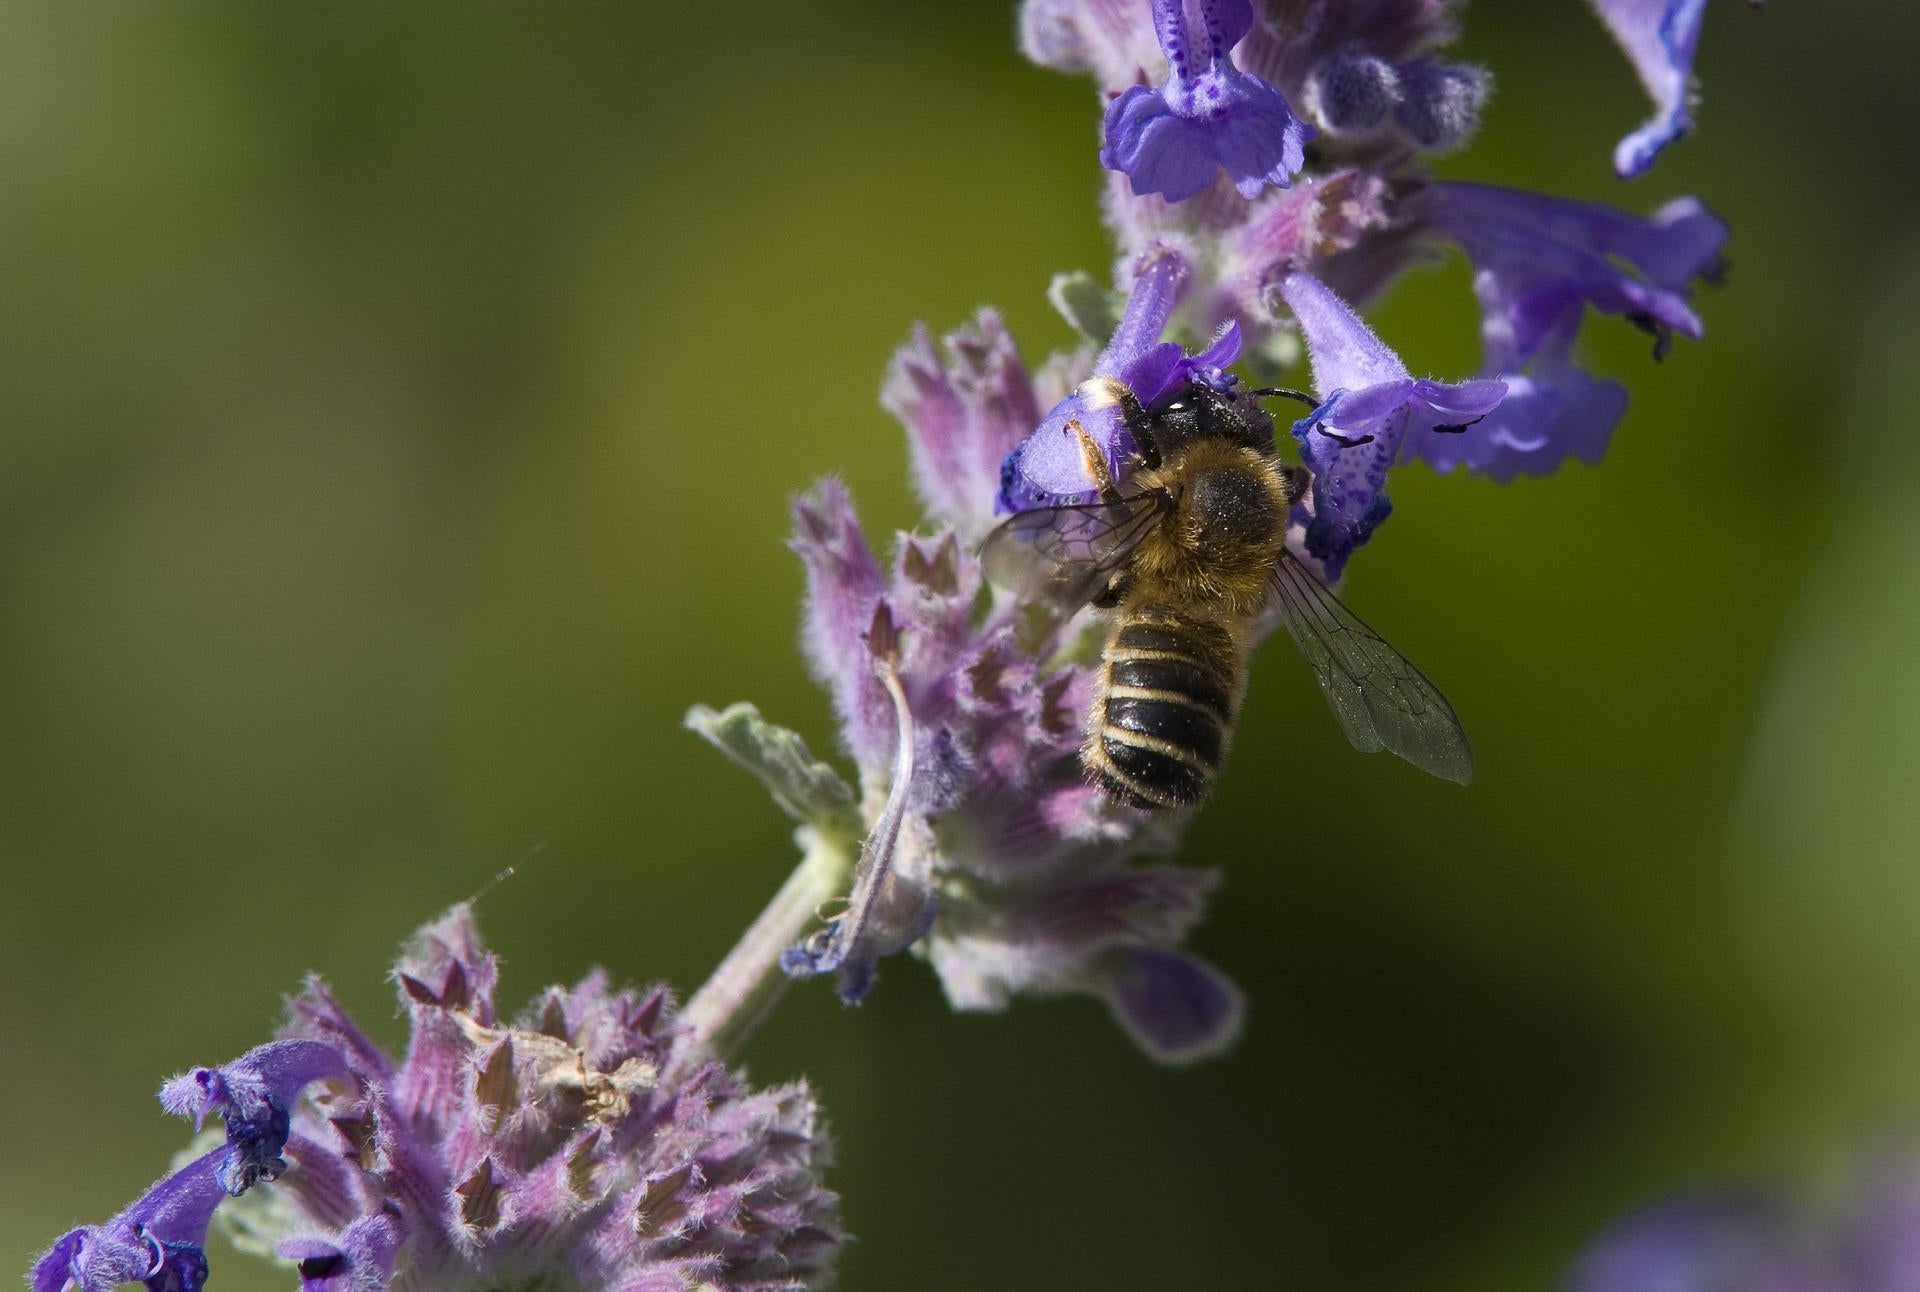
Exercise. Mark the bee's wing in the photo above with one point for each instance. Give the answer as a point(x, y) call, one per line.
point(1381, 701)
point(1063, 555)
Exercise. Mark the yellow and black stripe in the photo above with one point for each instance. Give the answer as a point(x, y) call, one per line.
point(1165, 707)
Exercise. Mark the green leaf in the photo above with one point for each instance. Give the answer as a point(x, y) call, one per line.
point(805, 788)
point(1092, 308)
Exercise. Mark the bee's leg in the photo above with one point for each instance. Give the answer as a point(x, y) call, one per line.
point(1107, 392)
point(1114, 593)
point(1095, 462)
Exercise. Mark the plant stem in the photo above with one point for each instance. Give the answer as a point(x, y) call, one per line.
point(742, 990)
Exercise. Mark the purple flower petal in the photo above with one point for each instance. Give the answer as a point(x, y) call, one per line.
point(1161, 276)
point(1659, 37)
point(253, 1095)
point(962, 416)
point(1702, 1243)
point(361, 1260)
point(1049, 467)
point(1557, 412)
point(1346, 354)
point(1178, 1008)
point(1540, 262)
point(1372, 414)
point(844, 584)
point(159, 1241)
point(1208, 116)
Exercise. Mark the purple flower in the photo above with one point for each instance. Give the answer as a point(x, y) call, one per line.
point(1372, 414)
point(1701, 1243)
point(962, 417)
point(1208, 116)
point(1659, 37)
point(1539, 263)
point(1049, 466)
point(1750, 1241)
point(361, 1258)
point(159, 1241)
point(588, 1142)
point(252, 1096)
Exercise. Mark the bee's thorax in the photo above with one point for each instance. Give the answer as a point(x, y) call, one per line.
point(1215, 549)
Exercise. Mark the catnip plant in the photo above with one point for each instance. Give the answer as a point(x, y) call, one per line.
point(1265, 182)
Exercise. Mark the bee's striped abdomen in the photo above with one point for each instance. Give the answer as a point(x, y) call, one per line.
point(1159, 726)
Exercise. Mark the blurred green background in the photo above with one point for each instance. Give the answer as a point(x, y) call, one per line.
point(400, 405)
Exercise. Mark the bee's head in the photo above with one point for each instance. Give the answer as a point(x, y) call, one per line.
point(1197, 410)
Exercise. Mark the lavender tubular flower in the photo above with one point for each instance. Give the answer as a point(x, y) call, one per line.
point(1208, 116)
point(590, 1143)
point(1048, 467)
point(159, 1241)
point(1373, 413)
point(253, 1096)
point(1539, 263)
point(1748, 1240)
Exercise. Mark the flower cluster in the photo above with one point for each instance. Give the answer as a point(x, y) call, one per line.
point(1267, 184)
point(589, 1143)
point(1759, 1241)
point(991, 850)
point(1376, 96)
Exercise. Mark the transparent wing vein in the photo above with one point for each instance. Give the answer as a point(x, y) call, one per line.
point(1064, 555)
point(1380, 700)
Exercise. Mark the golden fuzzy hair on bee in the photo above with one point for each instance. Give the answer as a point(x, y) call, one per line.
point(1215, 549)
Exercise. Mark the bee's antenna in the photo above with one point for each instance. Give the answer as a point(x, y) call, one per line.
point(1281, 392)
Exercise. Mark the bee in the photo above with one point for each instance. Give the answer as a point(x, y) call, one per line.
point(1190, 560)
